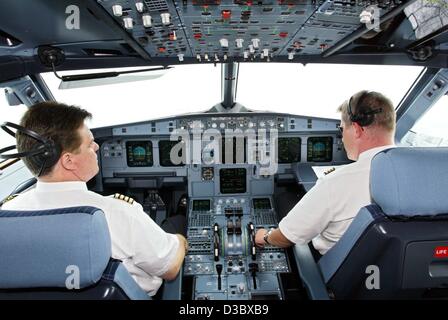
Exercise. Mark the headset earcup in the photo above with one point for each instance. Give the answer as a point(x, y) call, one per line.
point(52, 153)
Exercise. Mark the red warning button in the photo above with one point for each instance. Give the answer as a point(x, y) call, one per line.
point(441, 252)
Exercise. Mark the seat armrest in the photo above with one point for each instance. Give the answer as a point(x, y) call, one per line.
point(172, 289)
point(310, 273)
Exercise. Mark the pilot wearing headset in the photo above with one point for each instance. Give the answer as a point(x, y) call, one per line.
point(59, 149)
point(326, 211)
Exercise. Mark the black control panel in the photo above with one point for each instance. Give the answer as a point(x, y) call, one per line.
point(223, 259)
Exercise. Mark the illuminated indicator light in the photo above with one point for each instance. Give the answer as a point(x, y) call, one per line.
point(197, 36)
point(162, 49)
point(139, 6)
point(283, 34)
point(224, 42)
point(117, 10)
point(226, 14)
point(255, 42)
point(147, 20)
point(128, 23)
point(441, 252)
point(166, 18)
point(173, 36)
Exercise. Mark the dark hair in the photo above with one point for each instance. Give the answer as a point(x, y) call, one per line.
point(56, 121)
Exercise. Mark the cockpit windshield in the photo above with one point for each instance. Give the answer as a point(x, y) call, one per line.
point(311, 90)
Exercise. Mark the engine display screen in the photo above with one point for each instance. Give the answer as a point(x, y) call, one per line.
point(320, 149)
point(289, 149)
point(165, 147)
point(232, 180)
point(201, 205)
point(139, 153)
point(262, 204)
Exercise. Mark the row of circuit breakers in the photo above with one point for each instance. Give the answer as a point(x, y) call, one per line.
point(214, 30)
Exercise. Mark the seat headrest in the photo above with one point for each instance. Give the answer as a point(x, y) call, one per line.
point(410, 181)
point(47, 248)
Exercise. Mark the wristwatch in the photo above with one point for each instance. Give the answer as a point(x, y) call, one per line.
point(266, 236)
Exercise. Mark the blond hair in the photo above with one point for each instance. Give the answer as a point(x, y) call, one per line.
point(371, 101)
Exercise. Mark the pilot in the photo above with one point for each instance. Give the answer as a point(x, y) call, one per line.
point(326, 211)
point(149, 253)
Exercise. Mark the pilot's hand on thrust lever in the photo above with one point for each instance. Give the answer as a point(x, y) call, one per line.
point(259, 237)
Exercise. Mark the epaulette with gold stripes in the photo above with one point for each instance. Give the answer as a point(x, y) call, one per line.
point(329, 171)
point(8, 198)
point(124, 198)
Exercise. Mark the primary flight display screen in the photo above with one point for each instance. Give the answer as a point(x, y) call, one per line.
point(232, 180)
point(289, 149)
point(139, 153)
point(201, 205)
point(320, 149)
point(165, 147)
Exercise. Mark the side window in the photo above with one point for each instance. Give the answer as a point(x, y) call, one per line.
point(10, 114)
point(431, 130)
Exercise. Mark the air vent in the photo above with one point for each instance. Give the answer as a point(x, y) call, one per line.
point(7, 40)
point(102, 52)
point(156, 5)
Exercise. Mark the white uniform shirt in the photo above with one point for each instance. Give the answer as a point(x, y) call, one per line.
point(326, 211)
point(146, 250)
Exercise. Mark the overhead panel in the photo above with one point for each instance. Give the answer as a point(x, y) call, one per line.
point(217, 30)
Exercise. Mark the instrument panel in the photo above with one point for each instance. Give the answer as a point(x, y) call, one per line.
point(175, 144)
point(223, 258)
point(219, 161)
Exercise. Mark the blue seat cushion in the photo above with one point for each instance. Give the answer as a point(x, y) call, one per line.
point(50, 248)
point(410, 182)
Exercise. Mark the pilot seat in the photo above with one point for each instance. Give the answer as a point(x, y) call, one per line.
point(61, 254)
point(397, 247)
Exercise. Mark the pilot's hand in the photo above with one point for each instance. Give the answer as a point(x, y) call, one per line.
point(183, 242)
point(259, 237)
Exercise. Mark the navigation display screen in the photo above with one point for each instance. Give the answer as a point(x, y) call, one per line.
point(232, 180)
point(320, 149)
point(201, 205)
point(289, 149)
point(165, 147)
point(139, 153)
